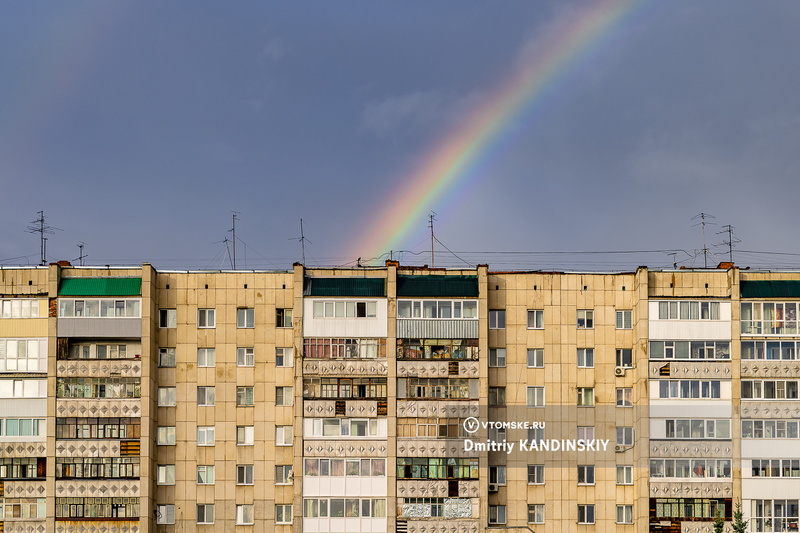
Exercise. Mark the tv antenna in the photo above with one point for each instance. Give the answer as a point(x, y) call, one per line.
point(234, 218)
point(302, 239)
point(731, 240)
point(702, 224)
point(42, 228)
point(431, 218)
point(81, 257)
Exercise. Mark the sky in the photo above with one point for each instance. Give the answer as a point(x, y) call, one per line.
point(139, 128)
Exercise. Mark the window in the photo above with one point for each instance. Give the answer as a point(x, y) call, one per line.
point(497, 396)
point(624, 514)
point(624, 319)
point(624, 436)
point(497, 357)
point(205, 513)
point(585, 318)
point(166, 357)
point(245, 435)
point(165, 514)
point(497, 514)
point(346, 427)
point(205, 435)
point(624, 397)
point(772, 350)
point(437, 468)
point(245, 357)
point(497, 474)
point(77, 388)
point(691, 350)
point(283, 435)
point(30, 355)
point(344, 309)
point(344, 348)
point(585, 474)
point(774, 515)
point(283, 474)
point(166, 475)
point(284, 356)
point(775, 467)
point(438, 309)
point(769, 318)
point(585, 396)
point(770, 429)
point(283, 318)
point(206, 357)
point(283, 513)
point(586, 433)
point(624, 474)
point(535, 397)
point(93, 508)
point(497, 319)
point(21, 427)
point(205, 318)
point(167, 318)
point(99, 308)
point(586, 514)
point(244, 474)
point(535, 318)
point(536, 513)
point(536, 434)
point(624, 358)
point(206, 396)
point(682, 310)
point(244, 396)
point(165, 436)
point(19, 308)
point(585, 357)
point(691, 468)
point(770, 389)
point(167, 397)
point(283, 396)
point(697, 429)
point(205, 474)
point(244, 514)
point(535, 357)
point(535, 474)
point(245, 317)
point(688, 388)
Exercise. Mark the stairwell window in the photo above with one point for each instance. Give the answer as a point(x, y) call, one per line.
point(497, 319)
point(283, 318)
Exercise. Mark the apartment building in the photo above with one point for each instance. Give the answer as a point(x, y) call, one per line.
point(397, 399)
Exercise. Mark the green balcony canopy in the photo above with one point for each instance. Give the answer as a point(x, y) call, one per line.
point(100, 287)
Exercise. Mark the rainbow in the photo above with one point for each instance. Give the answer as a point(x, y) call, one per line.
point(470, 146)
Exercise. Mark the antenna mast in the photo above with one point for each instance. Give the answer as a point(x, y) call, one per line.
point(42, 228)
point(431, 218)
point(80, 255)
point(303, 240)
point(731, 240)
point(702, 224)
point(234, 218)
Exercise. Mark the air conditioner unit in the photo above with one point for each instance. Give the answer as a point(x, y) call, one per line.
point(494, 487)
point(619, 371)
point(619, 449)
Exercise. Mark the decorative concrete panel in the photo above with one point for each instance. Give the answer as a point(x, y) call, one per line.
point(345, 367)
point(104, 407)
point(437, 408)
point(469, 489)
point(449, 526)
point(468, 369)
point(99, 368)
point(29, 525)
point(359, 408)
point(87, 448)
point(319, 408)
point(702, 527)
point(681, 369)
point(22, 449)
point(117, 526)
point(105, 488)
point(421, 488)
point(690, 489)
point(25, 489)
point(422, 368)
point(770, 369)
point(691, 449)
point(342, 448)
point(431, 448)
point(769, 409)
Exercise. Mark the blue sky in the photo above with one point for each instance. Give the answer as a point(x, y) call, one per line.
point(138, 127)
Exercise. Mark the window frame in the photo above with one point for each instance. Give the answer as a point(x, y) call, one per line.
point(284, 355)
point(497, 357)
point(245, 514)
point(585, 357)
point(245, 396)
point(245, 357)
point(586, 513)
point(538, 357)
point(586, 397)
point(205, 509)
point(627, 474)
point(586, 475)
point(536, 513)
point(536, 472)
point(167, 396)
point(206, 318)
point(245, 474)
point(283, 317)
point(245, 318)
point(208, 472)
point(624, 319)
point(167, 318)
point(584, 319)
point(206, 357)
point(208, 434)
point(497, 319)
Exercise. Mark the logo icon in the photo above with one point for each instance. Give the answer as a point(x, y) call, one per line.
point(471, 424)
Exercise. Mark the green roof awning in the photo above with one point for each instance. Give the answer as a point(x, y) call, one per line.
point(438, 286)
point(100, 287)
point(782, 288)
point(344, 286)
